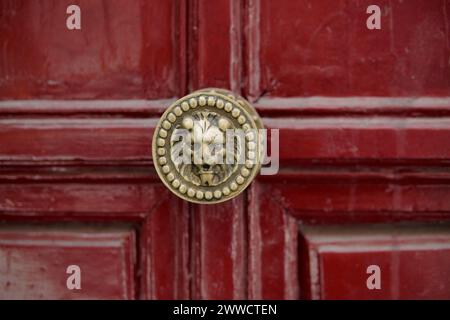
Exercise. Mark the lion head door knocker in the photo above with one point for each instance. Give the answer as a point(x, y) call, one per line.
point(207, 147)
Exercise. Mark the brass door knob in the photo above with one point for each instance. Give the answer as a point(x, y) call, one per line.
point(207, 146)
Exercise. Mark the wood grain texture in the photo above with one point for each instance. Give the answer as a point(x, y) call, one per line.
point(323, 195)
point(362, 138)
point(76, 139)
point(364, 122)
point(355, 166)
point(215, 44)
point(34, 260)
point(308, 48)
point(378, 129)
point(122, 44)
point(364, 195)
point(165, 250)
point(218, 250)
point(273, 258)
point(109, 195)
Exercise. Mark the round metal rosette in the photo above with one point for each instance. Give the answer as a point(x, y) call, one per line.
point(207, 146)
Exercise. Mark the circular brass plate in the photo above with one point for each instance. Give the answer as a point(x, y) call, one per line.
point(190, 146)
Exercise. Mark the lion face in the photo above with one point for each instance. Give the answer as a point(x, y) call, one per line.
point(204, 146)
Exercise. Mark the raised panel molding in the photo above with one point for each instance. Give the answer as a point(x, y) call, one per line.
point(110, 196)
point(413, 261)
point(34, 260)
point(338, 130)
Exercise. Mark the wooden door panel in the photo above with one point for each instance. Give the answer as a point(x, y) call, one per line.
point(413, 260)
point(34, 260)
point(76, 198)
point(113, 194)
point(75, 139)
point(215, 44)
point(121, 44)
point(219, 250)
point(320, 196)
point(362, 138)
point(89, 160)
point(164, 249)
point(127, 139)
point(354, 158)
point(309, 48)
point(363, 118)
point(219, 233)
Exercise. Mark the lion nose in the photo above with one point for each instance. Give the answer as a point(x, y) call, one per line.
point(207, 158)
point(206, 167)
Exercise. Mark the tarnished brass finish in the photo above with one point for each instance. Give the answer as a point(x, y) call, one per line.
point(190, 146)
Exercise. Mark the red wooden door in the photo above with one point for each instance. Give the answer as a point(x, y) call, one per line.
point(364, 149)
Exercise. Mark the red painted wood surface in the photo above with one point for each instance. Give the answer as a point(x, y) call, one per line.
point(414, 262)
point(364, 120)
point(215, 44)
point(122, 44)
point(323, 48)
point(219, 251)
point(34, 260)
point(109, 195)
